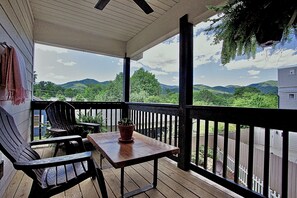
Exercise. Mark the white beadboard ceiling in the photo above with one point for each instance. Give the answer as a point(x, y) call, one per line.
point(122, 28)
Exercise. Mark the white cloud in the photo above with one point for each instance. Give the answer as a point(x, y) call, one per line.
point(163, 57)
point(51, 48)
point(55, 76)
point(266, 60)
point(70, 63)
point(136, 64)
point(175, 79)
point(158, 73)
point(255, 77)
point(205, 51)
point(253, 72)
point(120, 62)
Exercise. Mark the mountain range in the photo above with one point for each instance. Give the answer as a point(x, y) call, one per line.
point(265, 87)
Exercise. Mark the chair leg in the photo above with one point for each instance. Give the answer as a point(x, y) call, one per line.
point(36, 192)
point(101, 182)
point(56, 149)
point(101, 158)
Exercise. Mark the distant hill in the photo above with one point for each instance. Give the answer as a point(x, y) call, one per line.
point(80, 84)
point(264, 87)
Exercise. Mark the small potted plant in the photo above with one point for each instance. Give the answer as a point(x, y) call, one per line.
point(126, 128)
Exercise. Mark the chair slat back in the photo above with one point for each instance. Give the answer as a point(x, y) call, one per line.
point(12, 144)
point(61, 115)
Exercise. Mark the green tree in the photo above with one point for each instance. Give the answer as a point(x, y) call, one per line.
point(114, 91)
point(47, 87)
point(256, 100)
point(240, 91)
point(139, 96)
point(70, 93)
point(145, 81)
point(61, 97)
point(79, 97)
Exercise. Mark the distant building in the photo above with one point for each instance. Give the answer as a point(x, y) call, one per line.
point(287, 88)
point(287, 93)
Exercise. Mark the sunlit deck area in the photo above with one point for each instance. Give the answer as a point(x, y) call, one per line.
point(172, 182)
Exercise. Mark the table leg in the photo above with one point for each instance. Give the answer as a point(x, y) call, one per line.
point(155, 179)
point(122, 181)
point(143, 189)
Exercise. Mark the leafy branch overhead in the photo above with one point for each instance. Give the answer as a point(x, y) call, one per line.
point(244, 24)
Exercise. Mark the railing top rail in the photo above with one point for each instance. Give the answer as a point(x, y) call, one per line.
point(81, 105)
point(270, 118)
point(167, 109)
point(152, 104)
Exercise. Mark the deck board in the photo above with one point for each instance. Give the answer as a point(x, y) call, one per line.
point(172, 182)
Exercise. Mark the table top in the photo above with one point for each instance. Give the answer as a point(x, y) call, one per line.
point(142, 149)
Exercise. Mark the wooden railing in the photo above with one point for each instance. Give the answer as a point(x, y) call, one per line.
point(158, 121)
point(209, 124)
point(110, 112)
point(225, 117)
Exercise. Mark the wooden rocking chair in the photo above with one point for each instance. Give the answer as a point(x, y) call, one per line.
point(61, 116)
point(50, 175)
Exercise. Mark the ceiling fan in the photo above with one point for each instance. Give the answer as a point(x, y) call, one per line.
point(141, 3)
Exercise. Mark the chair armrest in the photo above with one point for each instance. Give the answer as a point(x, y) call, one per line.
point(57, 130)
point(96, 126)
point(53, 161)
point(58, 140)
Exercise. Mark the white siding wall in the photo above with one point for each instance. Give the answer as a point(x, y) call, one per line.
point(287, 88)
point(16, 29)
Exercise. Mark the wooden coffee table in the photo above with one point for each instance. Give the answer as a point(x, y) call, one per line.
point(120, 155)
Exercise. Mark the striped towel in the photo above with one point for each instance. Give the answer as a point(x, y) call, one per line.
point(13, 76)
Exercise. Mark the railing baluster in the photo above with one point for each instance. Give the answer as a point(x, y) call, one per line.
point(110, 119)
point(206, 143)
point(106, 124)
point(197, 141)
point(115, 119)
point(170, 129)
point(142, 123)
point(149, 124)
point(157, 121)
point(225, 157)
point(138, 121)
point(153, 125)
point(266, 163)
point(161, 127)
point(237, 152)
point(145, 122)
point(215, 147)
point(165, 129)
point(285, 163)
point(251, 158)
point(39, 125)
point(175, 131)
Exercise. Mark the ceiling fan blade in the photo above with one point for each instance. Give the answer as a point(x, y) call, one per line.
point(144, 6)
point(101, 4)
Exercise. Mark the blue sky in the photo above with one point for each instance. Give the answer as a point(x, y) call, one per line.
point(60, 65)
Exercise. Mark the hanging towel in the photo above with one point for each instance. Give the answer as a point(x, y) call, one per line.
point(3, 75)
point(16, 82)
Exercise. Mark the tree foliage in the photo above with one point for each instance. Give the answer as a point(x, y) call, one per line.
point(145, 81)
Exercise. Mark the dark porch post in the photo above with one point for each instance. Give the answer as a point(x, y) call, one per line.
point(126, 84)
point(185, 91)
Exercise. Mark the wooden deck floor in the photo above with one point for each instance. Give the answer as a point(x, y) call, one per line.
point(172, 182)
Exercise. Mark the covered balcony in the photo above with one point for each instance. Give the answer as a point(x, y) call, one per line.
point(218, 153)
